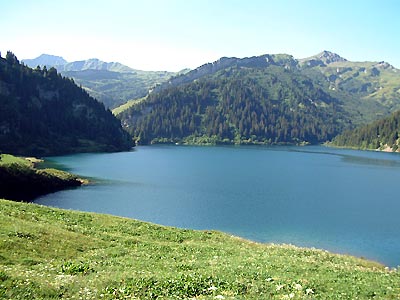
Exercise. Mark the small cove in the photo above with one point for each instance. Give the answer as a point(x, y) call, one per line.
point(345, 201)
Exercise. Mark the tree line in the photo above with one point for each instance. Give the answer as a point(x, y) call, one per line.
point(377, 135)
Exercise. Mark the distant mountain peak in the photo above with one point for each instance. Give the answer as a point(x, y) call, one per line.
point(47, 60)
point(329, 57)
point(322, 59)
point(63, 66)
point(384, 65)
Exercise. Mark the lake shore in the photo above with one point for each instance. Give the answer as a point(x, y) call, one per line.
point(266, 194)
point(21, 180)
point(48, 252)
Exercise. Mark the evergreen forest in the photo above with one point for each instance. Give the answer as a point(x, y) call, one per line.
point(241, 106)
point(379, 135)
point(43, 113)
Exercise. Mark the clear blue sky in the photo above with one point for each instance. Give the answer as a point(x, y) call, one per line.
point(175, 34)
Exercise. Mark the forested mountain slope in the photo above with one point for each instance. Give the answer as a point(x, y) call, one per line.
point(238, 105)
point(380, 135)
point(42, 113)
point(265, 99)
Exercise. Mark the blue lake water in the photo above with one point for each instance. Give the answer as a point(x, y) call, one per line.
point(345, 201)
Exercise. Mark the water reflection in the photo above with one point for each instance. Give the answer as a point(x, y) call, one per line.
point(357, 159)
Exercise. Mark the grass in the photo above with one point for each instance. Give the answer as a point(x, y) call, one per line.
point(8, 159)
point(116, 111)
point(48, 253)
point(20, 180)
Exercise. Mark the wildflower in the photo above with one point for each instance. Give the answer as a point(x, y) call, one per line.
point(269, 279)
point(309, 291)
point(279, 287)
point(291, 295)
point(298, 287)
point(212, 288)
point(219, 297)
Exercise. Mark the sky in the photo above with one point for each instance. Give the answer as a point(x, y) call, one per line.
point(172, 35)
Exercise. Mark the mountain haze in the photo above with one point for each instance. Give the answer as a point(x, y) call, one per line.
point(45, 60)
point(109, 82)
point(62, 65)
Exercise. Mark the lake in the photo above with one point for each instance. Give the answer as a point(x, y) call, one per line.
point(344, 201)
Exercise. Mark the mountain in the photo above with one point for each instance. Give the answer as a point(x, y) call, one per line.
point(238, 105)
point(43, 113)
point(116, 88)
point(379, 135)
point(265, 99)
point(109, 82)
point(45, 60)
point(369, 90)
point(62, 65)
point(94, 64)
point(227, 62)
point(322, 59)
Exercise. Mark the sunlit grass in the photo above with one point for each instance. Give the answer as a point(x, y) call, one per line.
point(48, 253)
point(7, 159)
point(116, 111)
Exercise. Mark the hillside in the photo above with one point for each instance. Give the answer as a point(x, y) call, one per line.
point(21, 181)
point(45, 60)
point(48, 253)
point(43, 113)
point(379, 135)
point(116, 88)
point(109, 82)
point(265, 104)
point(369, 90)
point(265, 99)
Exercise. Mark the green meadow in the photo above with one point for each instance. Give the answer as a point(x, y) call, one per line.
point(48, 253)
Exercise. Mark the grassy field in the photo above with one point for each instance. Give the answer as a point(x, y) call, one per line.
point(48, 253)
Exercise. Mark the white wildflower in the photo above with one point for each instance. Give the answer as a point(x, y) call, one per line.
point(298, 287)
point(219, 297)
point(212, 288)
point(291, 295)
point(309, 291)
point(279, 287)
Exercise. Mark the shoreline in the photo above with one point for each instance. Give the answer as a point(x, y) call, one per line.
point(21, 180)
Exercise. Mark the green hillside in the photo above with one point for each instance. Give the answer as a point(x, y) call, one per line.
point(379, 135)
point(368, 90)
point(42, 113)
point(265, 99)
point(116, 111)
point(116, 88)
point(21, 181)
point(238, 105)
point(48, 253)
